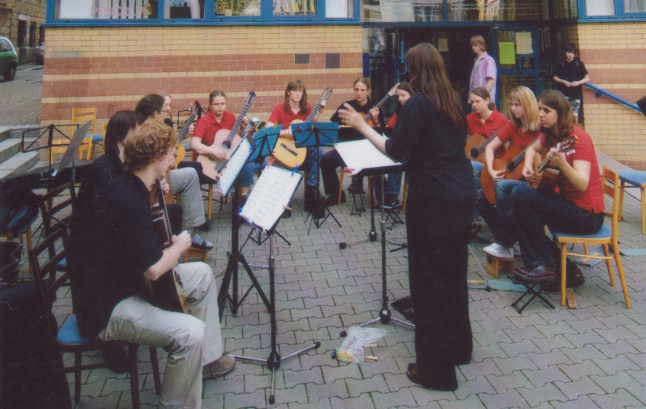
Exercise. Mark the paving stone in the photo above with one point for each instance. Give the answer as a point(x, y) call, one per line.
point(475, 386)
point(518, 348)
point(547, 359)
point(362, 402)
point(580, 354)
point(341, 371)
point(334, 389)
point(621, 380)
point(474, 370)
point(584, 402)
point(541, 394)
point(583, 386)
point(502, 383)
point(555, 342)
point(505, 400)
point(612, 365)
point(357, 387)
point(402, 397)
point(620, 399)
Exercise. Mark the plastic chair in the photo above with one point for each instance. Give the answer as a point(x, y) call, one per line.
point(68, 336)
point(635, 179)
point(81, 116)
point(606, 236)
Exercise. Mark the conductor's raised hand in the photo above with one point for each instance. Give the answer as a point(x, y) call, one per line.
point(351, 117)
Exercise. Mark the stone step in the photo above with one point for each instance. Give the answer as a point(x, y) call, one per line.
point(8, 148)
point(18, 164)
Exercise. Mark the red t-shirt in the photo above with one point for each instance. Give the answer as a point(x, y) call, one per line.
point(519, 138)
point(495, 122)
point(208, 126)
point(392, 121)
point(592, 198)
point(281, 117)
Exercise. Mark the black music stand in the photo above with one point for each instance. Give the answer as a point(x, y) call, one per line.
point(262, 146)
point(316, 135)
point(259, 221)
point(70, 153)
point(384, 313)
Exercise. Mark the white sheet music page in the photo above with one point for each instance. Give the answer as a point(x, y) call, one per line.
point(270, 195)
point(362, 154)
point(233, 167)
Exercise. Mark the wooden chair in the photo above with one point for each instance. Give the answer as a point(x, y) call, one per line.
point(634, 179)
point(68, 336)
point(81, 116)
point(606, 236)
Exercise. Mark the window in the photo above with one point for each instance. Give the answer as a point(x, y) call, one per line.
point(215, 10)
point(634, 6)
point(600, 7)
point(32, 35)
point(22, 33)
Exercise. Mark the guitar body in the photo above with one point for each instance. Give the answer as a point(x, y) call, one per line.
point(228, 144)
point(286, 152)
point(181, 154)
point(546, 176)
point(472, 143)
point(487, 182)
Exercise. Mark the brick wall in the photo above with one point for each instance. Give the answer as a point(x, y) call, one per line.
point(112, 68)
point(615, 56)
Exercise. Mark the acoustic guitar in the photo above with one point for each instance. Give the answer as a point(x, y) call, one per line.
point(511, 161)
point(374, 121)
point(546, 175)
point(194, 109)
point(227, 141)
point(476, 146)
point(165, 291)
point(286, 152)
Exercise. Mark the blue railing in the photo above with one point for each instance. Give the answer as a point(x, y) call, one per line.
point(605, 93)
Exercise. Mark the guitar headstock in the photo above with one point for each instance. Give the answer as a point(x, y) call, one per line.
point(327, 93)
point(567, 146)
point(250, 98)
point(393, 90)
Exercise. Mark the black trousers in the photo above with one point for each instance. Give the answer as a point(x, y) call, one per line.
point(438, 234)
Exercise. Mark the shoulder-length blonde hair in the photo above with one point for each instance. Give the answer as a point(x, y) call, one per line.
point(525, 97)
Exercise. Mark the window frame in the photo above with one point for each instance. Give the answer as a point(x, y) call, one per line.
point(620, 13)
point(266, 17)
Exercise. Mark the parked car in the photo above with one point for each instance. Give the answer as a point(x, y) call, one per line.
point(8, 59)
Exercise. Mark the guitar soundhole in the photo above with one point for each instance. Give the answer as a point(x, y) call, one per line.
point(474, 152)
point(226, 145)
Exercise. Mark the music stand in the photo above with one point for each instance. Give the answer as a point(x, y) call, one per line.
point(227, 179)
point(316, 135)
point(273, 191)
point(70, 153)
point(368, 161)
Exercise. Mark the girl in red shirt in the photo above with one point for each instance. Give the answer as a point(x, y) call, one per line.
point(576, 208)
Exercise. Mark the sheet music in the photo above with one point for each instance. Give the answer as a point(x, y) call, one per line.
point(362, 154)
point(233, 167)
point(270, 195)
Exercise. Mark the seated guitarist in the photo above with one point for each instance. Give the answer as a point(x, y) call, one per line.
point(576, 208)
point(115, 306)
point(332, 160)
point(295, 106)
point(218, 118)
point(484, 121)
point(521, 132)
point(184, 181)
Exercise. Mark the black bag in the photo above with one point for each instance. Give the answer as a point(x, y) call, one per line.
point(18, 207)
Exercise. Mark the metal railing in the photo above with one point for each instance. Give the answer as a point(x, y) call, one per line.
point(612, 96)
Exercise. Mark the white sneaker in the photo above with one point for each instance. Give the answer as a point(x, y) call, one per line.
point(498, 251)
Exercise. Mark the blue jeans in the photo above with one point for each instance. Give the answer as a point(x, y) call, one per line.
point(477, 170)
point(532, 210)
point(494, 216)
point(311, 165)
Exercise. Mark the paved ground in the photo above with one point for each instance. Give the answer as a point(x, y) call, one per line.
point(590, 357)
point(21, 98)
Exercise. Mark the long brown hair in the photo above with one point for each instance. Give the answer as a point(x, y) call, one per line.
point(427, 75)
point(296, 85)
point(558, 102)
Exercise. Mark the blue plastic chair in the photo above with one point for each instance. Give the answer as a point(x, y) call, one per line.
point(605, 237)
point(634, 178)
point(68, 337)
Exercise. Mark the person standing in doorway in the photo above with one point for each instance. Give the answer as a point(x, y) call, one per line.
point(570, 76)
point(484, 72)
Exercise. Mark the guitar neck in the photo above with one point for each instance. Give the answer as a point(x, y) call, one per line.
point(162, 204)
point(315, 111)
point(187, 125)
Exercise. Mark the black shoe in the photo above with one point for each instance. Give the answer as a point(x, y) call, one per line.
point(198, 242)
point(537, 275)
point(334, 200)
point(311, 197)
point(204, 226)
point(574, 279)
point(414, 376)
point(116, 358)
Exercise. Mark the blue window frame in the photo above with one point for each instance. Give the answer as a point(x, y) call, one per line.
point(201, 12)
point(604, 10)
